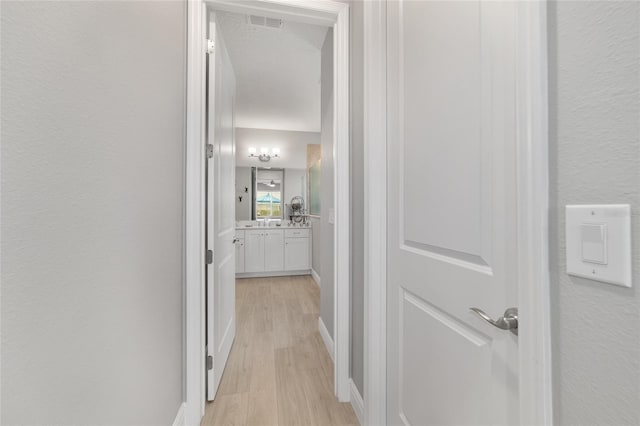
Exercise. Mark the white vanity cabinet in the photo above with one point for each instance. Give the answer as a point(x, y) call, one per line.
point(254, 250)
point(296, 254)
point(273, 251)
point(239, 252)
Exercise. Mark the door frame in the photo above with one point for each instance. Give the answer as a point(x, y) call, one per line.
point(330, 13)
point(535, 386)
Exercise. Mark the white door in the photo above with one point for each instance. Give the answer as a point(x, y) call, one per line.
point(296, 254)
point(451, 213)
point(253, 251)
point(221, 293)
point(274, 250)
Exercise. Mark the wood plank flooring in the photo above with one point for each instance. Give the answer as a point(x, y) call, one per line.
point(279, 371)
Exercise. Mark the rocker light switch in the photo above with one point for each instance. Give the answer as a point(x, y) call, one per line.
point(594, 243)
point(599, 243)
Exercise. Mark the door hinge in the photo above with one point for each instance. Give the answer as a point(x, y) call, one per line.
point(209, 257)
point(209, 362)
point(209, 150)
point(211, 45)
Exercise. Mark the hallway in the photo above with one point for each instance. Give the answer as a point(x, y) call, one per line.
point(279, 371)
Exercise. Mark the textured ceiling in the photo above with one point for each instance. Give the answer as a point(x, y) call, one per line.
point(277, 73)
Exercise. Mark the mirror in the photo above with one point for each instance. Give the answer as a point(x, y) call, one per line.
point(295, 185)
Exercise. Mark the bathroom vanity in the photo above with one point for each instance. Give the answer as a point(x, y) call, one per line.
point(266, 251)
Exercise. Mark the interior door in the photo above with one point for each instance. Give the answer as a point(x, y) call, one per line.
point(220, 211)
point(452, 212)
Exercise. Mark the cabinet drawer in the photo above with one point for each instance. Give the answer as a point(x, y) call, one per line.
point(296, 233)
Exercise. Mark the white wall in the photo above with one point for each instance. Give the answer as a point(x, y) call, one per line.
point(594, 90)
point(93, 110)
point(316, 245)
point(327, 191)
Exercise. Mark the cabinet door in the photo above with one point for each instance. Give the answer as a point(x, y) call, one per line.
point(296, 254)
point(240, 256)
point(273, 251)
point(254, 251)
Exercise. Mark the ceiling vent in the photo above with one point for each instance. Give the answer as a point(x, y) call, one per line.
point(264, 22)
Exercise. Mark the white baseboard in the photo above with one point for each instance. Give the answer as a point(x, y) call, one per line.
point(356, 401)
point(315, 276)
point(272, 274)
point(179, 421)
point(326, 338)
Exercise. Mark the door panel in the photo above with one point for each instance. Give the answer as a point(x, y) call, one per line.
point(273, 251)
point(451, 219)
point(220, 211)
point(296, 254)
point(253, 251)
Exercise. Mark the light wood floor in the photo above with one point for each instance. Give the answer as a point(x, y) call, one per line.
point(279, 371)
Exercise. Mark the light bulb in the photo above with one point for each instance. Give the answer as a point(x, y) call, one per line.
point(276, 151)
point(264, 151)
point(252, 151)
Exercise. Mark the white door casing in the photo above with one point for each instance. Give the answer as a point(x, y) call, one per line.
point(220, 210)
point(452, 212)
point(330, 13)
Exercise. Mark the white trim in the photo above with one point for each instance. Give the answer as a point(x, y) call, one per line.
point(533, 216)
point(533, 207)
point(316, 277)
point(179, 420)
point(330, 13)
point(323, 12)
point(326, 338)
point(272, 274)
point(375, 214)
point(357, 402)
point(194, 216)
point(341, 179)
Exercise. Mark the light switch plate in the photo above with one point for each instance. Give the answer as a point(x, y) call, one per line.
point(598, 240)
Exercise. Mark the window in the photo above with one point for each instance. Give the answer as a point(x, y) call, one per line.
point(268, 201)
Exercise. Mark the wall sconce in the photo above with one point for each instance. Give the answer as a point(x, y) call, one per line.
point(264, 155)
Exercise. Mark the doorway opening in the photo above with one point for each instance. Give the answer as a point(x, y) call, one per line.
point(274, 203)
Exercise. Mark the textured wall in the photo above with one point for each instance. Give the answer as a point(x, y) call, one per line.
point(594, 66)
point(93, 110)
point(357, 194)
point(326, 198)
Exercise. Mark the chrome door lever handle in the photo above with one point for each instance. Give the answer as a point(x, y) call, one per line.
point(509, 321)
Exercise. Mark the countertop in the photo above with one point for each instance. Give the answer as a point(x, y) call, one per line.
point(245, 228)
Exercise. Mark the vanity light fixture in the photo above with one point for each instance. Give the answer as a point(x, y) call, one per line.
point(264, 155)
